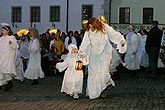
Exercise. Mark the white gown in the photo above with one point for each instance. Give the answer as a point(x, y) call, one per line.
point(131, 57)
point(7, 56)
point(142, 55)
point(34, 70)
point(73, 79)
point(99, 51)
point(19, 67)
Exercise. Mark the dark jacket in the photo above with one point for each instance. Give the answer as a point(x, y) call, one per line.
point(154, 37)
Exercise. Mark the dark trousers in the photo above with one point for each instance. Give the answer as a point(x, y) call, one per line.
point(153, 54)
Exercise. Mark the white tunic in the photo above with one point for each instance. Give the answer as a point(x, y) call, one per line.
point(99, 51)
point(142, 55)
point(34, 70)
point(131, 58)
point(73, 79)
point(8, 54)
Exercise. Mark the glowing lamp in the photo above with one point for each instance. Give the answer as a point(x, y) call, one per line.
point(78, 65)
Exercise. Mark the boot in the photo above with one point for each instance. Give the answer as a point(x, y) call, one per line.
point(104, 93)
point(34, 82)
point(7, 86)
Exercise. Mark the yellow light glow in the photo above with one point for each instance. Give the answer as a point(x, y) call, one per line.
point(22, 32)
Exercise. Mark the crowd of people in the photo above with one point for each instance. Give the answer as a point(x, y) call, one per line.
point(35, 56)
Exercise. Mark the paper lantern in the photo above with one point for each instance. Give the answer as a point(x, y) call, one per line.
point(78, 65)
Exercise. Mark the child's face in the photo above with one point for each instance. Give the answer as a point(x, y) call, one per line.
point(74, 50)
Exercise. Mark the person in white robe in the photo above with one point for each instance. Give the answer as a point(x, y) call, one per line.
point(131, 58)
point(73, 79)
point(142, 55)
point(8, 50)
point(19, 67)
point(24, 53)
point(99, 50)
point(34, 70)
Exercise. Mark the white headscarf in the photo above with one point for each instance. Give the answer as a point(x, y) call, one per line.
point(71, 46)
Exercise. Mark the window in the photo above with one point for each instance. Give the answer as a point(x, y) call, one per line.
point(87, 12)
point(35, 14)
point(147, 15)
point(124, 15)
point(54, 13)
point(16, 14)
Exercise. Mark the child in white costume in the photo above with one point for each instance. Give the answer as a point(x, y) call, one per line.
point(73, 79)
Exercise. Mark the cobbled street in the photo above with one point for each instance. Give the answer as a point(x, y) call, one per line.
point(133, 91)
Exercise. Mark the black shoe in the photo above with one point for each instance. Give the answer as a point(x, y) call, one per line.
point(103, 94)
point(154, 76)
point(34, 82)
point(8, 86)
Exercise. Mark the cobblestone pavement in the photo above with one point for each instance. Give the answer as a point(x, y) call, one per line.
point(134, 91)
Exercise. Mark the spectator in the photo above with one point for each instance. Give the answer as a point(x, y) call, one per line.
point(152, 47)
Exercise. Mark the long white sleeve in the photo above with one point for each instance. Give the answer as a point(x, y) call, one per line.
point(116, 38)
point(85, 42)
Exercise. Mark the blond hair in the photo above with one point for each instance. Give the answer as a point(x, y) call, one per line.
point(35, 31)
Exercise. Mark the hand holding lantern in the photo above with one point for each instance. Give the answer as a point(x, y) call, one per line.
point(78, 65)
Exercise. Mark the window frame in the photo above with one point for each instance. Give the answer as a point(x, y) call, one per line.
point(56, 15)
point(144, 18)
point(16, 15)
point(89, 12)
point(125, 15)
point(38, 8)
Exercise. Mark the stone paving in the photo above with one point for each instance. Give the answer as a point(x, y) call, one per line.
point(134, 91)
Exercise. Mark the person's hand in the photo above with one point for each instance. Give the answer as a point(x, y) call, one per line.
point(81, 53)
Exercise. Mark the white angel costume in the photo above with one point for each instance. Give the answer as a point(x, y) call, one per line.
point(142, 55)
point(131, 58)
point(7, 58)
point(34, 70)
point(19, 67)
point(73, 79)
point(99, 51)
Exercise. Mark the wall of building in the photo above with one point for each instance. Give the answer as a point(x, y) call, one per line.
point(136, 13)
point(136, 7)
point(74, 19)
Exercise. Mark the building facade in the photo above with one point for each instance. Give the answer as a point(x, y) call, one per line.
point(139, 13)
point(45, 14)
point(67, 15)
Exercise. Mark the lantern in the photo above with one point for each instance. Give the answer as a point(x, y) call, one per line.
point(78, 65)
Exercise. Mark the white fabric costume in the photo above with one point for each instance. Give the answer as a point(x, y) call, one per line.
point(131, 58)
point(7, 58)
point(99, 51)
point(73, 79)
point(142, 55)
point(19, 67)
point(34, 70)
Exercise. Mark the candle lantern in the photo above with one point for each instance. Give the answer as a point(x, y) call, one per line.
point(78, 65)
